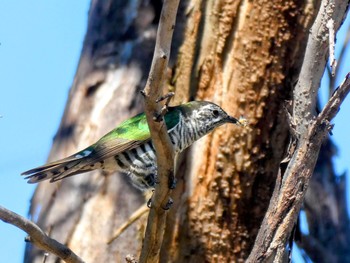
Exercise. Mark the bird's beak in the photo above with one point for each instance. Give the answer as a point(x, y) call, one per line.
point(232, 120)
point(241, 121)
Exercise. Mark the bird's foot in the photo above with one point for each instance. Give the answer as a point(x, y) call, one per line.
point(166, 207)
point(149, 202)
point(172, 182)
point(168, 204)
point(167, 97)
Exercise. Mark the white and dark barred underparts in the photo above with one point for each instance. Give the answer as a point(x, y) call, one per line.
point(140, 163)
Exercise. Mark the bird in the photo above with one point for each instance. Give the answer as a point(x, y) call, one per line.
point(128, 148)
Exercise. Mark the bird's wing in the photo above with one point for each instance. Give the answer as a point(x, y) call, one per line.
point(130, 134)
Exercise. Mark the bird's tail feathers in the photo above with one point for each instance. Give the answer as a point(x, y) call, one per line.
point(56, 170)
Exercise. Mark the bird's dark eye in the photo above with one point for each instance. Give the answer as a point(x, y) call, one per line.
point(215, 113)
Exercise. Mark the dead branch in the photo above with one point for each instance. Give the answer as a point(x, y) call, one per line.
point(284, 207)
point(270, 244)
point(164, 150)
point(340, 62)
point(135, 216)
point(38, 237)
point(331, 34)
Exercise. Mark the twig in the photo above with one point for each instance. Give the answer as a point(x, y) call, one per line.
point(136, 215)
point(332, 107)
point(164, 150)
point(331, 34)
point(285, 204)
point(38, 237)
point(340, 62)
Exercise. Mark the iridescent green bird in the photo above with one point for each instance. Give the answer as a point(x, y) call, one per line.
point(129, 148)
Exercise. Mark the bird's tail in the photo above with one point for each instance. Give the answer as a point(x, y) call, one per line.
point(58, 170)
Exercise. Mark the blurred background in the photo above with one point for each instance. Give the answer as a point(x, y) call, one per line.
point(40, 44)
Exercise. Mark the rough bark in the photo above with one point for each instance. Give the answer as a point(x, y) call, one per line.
point(246, 59)
point(243, 55)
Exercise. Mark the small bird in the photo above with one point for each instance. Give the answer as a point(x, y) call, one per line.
point(129, 148)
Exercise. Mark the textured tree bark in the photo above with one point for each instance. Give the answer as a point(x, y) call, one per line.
point(245, 59)
point(243, 55)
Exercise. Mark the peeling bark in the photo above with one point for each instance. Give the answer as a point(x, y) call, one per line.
point(246, 57)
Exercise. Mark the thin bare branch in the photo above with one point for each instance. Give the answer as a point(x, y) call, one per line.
point(38, 237)
point(331, 34)
point(332, 107)
point(340, 62)
point(164, 149)
point(136, 215)
point(285, 204)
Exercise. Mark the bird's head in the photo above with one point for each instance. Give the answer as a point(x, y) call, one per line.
point(209, 115)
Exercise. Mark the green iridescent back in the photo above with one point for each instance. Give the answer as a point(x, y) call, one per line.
point(136, 128)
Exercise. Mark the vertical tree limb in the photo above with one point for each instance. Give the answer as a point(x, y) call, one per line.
point(270, 244)
point(164, 149)
point(305, 93)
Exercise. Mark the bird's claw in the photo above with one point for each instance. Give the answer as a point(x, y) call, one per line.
point(167, 97)
point(168, 204)
point(149, 203)
point(166, 207)
point(172, 182)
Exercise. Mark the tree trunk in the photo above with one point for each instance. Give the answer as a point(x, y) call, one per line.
point(244, 56)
